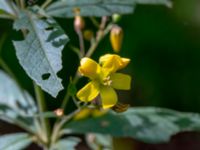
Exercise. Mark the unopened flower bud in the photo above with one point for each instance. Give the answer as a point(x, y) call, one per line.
point(116, 38)
point(116, 18)
point(59, 112)
point(88, 35)
point(79, 23)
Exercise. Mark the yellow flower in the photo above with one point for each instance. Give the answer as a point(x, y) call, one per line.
point(104, 79)
point(86, 112)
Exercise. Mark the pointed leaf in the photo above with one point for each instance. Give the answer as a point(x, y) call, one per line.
point(16, 141)
point(40, 52)
point(151, 125)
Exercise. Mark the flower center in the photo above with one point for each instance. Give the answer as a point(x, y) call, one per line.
point(107, 81)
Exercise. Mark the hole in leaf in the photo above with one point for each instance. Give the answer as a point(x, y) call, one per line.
point(49, 28)
point(46, 76)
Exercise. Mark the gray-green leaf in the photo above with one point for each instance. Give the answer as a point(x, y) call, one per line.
point(155, 2)
point(5, 6)
point(66, 8)
point(17, 141)
point(15, 104)
point(66, 143)
point(148, 124)
point(40, 53)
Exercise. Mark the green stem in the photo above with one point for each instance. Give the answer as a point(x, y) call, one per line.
point(95, 22)
point(57, 133)
point(17, 2)
point(75, 50)
point(46, 3)
point(3, 64)
point(42, 107)
point(100, 35)
point(22, 4)
point(81, 43)
point(8, 70)
point(67, 96)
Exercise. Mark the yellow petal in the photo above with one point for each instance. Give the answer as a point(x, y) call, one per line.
point(84, 113)
point(89, 68)
point(121, 81)
point(112, 62)
point(98, 113)
point(108, 97)
point(116, 37)
point(88, 92)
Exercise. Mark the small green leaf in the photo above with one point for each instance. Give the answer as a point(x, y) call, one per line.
point(16, 141)
point(40, 52)
point(67, 143)
point(66, 8)
point(148, 124)
point(72, 88)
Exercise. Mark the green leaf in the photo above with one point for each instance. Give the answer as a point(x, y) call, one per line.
point(72, 88)
point(66, 143)
point(40, 52)
point(148, 124)
point(100, 141)
point(155, 2)
point(16, 141)
point(15, 104)
point(66, 8)
point(5, 7)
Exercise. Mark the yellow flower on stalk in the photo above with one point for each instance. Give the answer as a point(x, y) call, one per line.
point(104, 79)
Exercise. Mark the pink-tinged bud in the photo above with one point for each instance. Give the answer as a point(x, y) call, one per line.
point(59, 112)
point(79, 23)
point(116, 38)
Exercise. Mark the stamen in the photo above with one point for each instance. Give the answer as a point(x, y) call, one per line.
point(107, 81)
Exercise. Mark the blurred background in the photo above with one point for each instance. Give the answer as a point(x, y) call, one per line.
point(164, 47)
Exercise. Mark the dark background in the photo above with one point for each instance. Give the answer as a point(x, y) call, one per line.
point(164, 47)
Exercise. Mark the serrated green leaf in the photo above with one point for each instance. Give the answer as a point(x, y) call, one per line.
point(15, 104)
point(148, 124)
point(66, 143)
point(72, 89)
point(66, 8)
point(40, 52)
point(16, 141)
